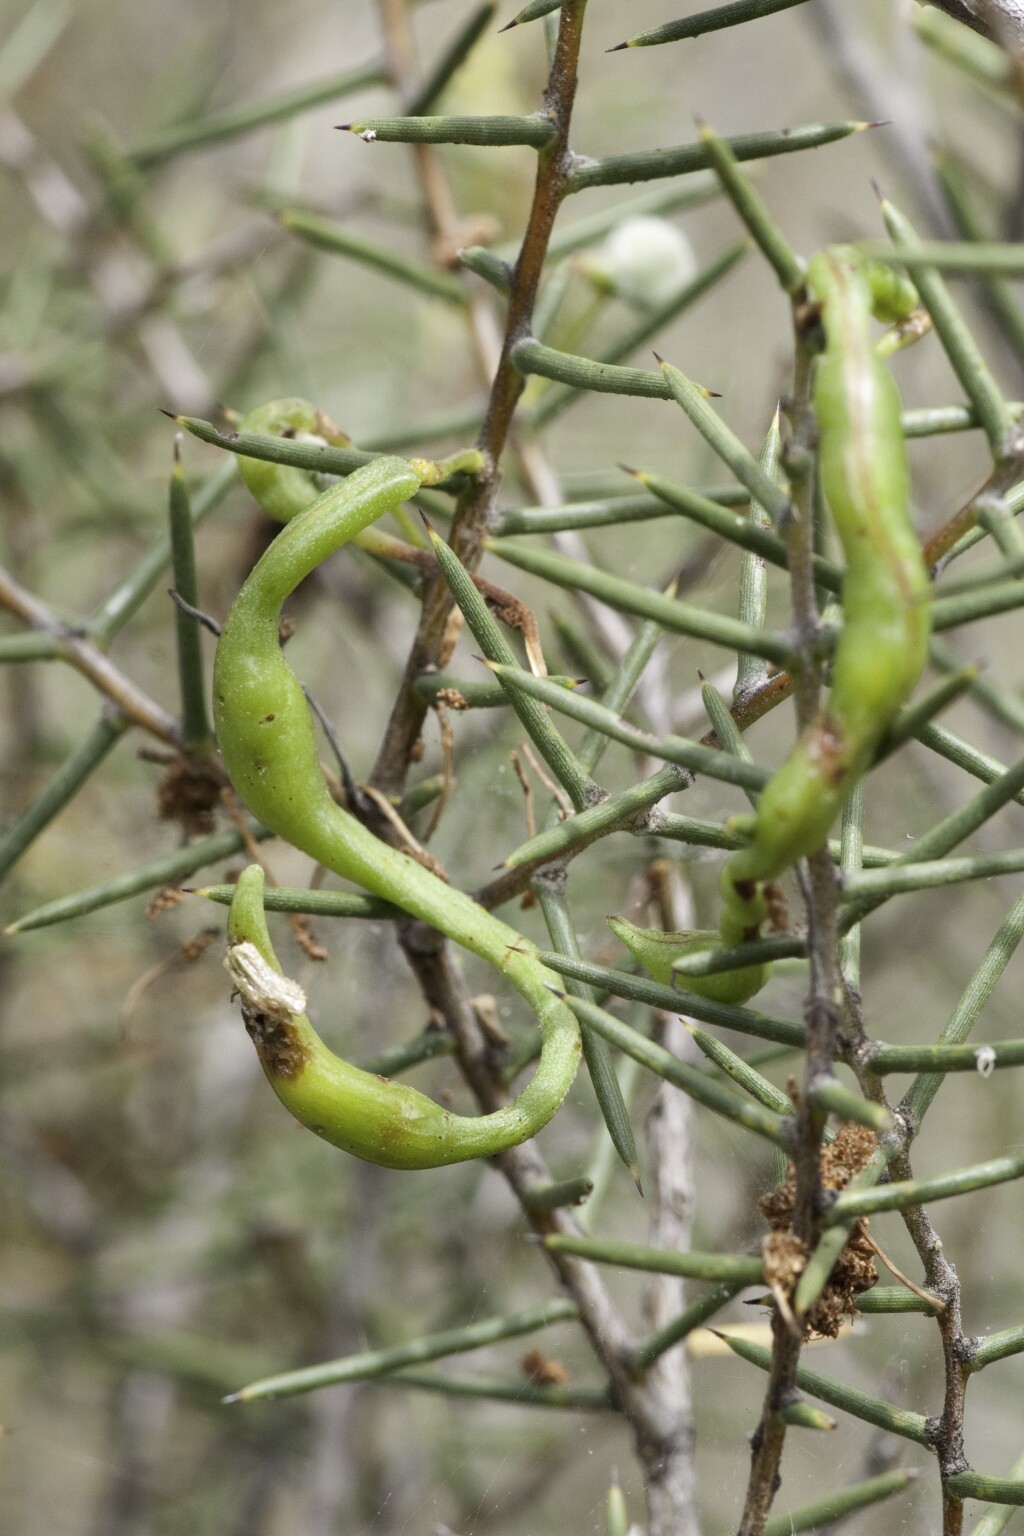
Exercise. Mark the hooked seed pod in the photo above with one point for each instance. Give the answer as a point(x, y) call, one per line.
point(268, 743)
point(883, 646)
point(282, 490)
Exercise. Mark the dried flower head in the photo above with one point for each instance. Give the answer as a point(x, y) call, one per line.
point(785, 1254)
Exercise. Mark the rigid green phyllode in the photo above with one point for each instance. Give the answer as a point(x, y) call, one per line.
point(268, 743)
point(883, 646)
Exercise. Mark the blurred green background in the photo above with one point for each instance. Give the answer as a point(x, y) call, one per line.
point(167, 1234)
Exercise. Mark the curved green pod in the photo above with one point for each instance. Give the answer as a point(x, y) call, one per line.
point(883, 647)
point(280, 489)
point(381, 1121)
point(267, 740)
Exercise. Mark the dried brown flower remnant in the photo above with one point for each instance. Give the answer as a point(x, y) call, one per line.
point(542, 1371)
point(843, 1159)
point(785, 1255)
point(189, 793)
point(195, 948)
point(784, 1259)
point(305, 938)
point(164, 900)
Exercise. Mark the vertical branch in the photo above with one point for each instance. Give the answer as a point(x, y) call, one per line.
point(661, 1431)
point(941, 1277)
point(821, 900)
point(439, 207)
point(670, 1137)
point(438, 203)
point(435, 636)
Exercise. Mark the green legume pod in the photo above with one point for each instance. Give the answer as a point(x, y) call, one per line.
point(884, 643)
point(267, 739)
point(280, 489)
point(380, 1121)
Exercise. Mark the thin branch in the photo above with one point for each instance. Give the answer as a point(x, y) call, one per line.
point(87, 658)
point(821, 901)
point(435, 639)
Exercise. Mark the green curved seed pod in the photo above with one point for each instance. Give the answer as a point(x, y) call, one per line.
point(656, 951)
point(267, 740)
point(378, 1120)
point(883, 647)
point(280, 489)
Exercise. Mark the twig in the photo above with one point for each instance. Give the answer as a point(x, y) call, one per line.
point(434, 639)
point(88, 659)
point(822, 1007)
point(885, 96)
point(527, 789)
point(671, 1193)
point(660, 1432)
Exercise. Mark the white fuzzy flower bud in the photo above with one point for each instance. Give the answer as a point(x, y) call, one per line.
point(644, 261)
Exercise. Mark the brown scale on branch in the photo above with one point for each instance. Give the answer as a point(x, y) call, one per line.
point(785, 1254)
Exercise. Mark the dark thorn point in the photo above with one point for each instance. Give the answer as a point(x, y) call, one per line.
point(618, 48)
